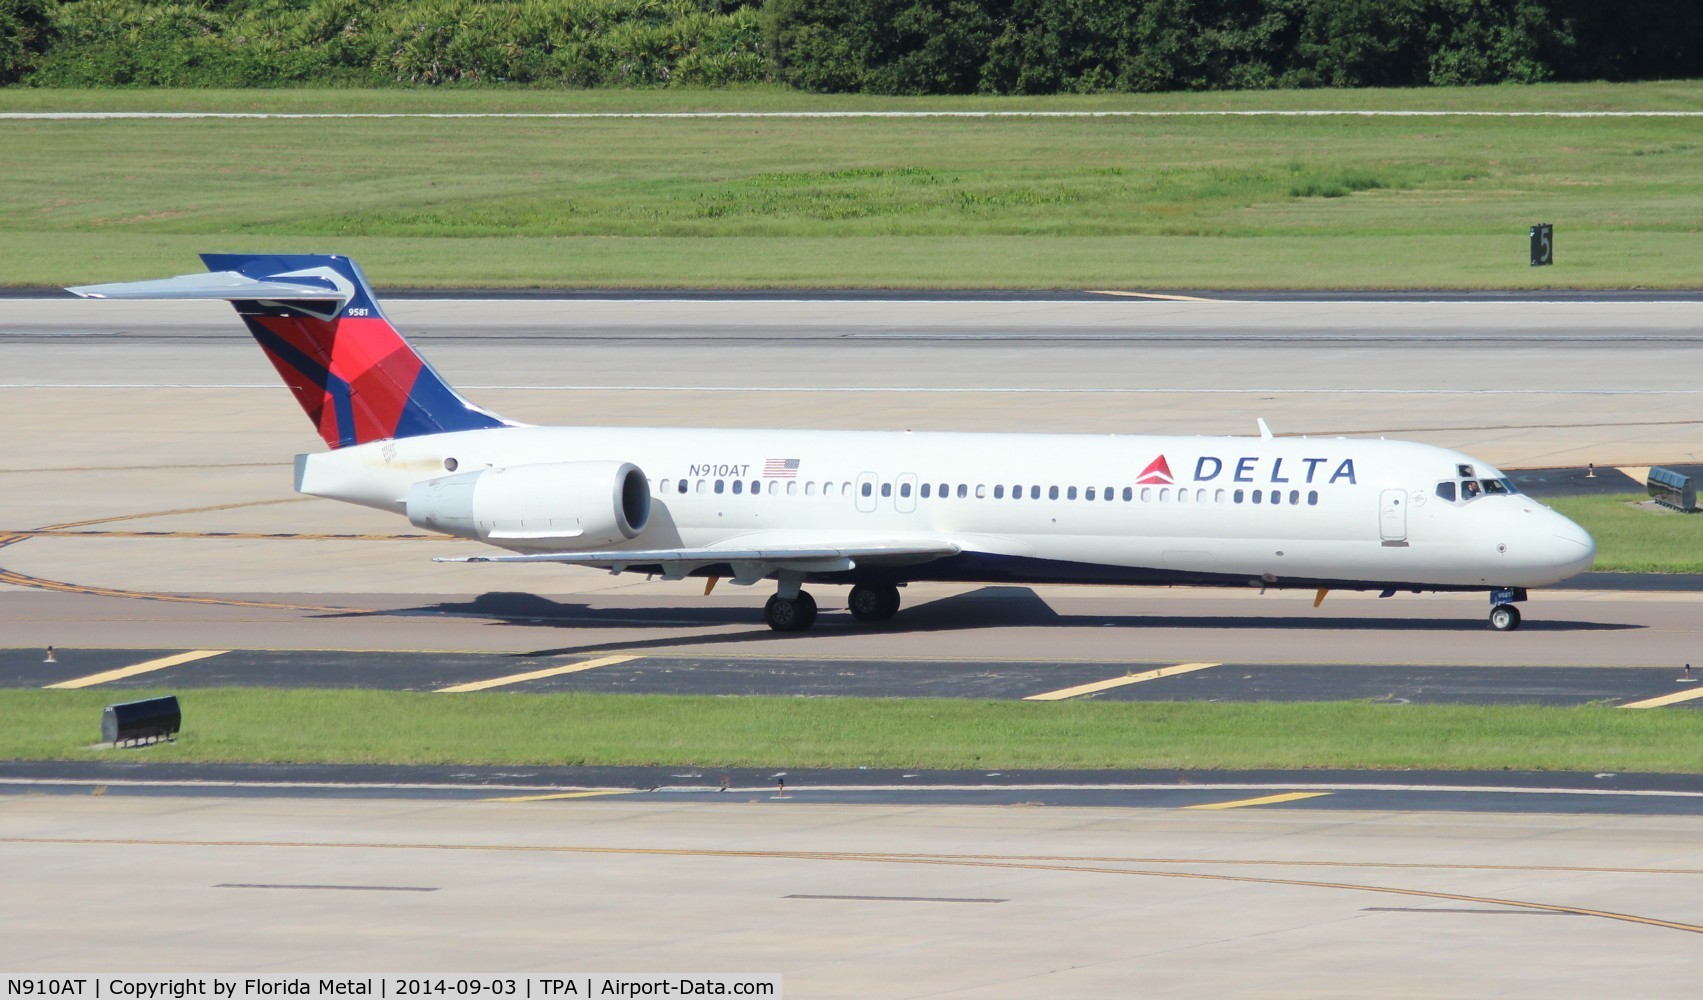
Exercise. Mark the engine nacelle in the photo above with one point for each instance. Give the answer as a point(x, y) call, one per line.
point(566, 505)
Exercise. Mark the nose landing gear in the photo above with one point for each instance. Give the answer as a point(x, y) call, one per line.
point(1504, 617)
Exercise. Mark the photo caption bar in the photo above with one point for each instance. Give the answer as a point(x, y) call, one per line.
point(425, 986)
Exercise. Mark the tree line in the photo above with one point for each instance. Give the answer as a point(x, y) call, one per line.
point(848, 46)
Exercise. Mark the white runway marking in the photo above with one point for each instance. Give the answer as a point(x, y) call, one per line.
point(571, 115)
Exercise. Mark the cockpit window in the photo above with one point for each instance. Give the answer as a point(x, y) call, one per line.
point(1469, 489)
point(1494, 486)
point(1446, 491)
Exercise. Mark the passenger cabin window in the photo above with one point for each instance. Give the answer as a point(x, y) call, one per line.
point(981, 491)
point(792, 488)
point(886, 489)
point(925, 487)
point(868, 489)
point(999, 491)
point(719, 484)
point(1034, 493)
point(1070, 494)
point(904, 489)
point(738, 485)
point(1052, 493)
point(682, 485)
point(1129, 493)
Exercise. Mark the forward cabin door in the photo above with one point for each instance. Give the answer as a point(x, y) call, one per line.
point(1392, 515)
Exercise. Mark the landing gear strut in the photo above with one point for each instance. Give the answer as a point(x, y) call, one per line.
point(873, 602)
point(1504, 617)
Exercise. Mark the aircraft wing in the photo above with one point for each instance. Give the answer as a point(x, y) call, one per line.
point(749, 565)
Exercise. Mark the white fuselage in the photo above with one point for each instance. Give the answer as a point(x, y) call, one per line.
point(1039, 507)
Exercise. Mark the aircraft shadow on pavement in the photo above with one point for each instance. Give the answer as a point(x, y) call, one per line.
point(987, 607)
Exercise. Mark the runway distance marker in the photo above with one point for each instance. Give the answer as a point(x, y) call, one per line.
point(1264, 800)
point(1117, 682)
point(572, 668)
point(145, 667)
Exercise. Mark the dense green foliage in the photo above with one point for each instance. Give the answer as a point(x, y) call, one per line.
point(869, 46)
point(577, 43)
point(1049, 46)
point(24, 34)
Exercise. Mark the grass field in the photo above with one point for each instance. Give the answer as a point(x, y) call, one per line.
point(1635, 537)
point(370, 726)
point(1009, 202)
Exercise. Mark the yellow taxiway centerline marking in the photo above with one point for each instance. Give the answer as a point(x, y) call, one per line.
point(1115, 682)
point(1149, 295)
point(564, 795)
point(140, 668)
point(1263, 800)
point(1666, 699)
point(572, 668)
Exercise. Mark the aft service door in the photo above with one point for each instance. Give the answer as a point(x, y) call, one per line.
point(866, 486)
point(1392, 515)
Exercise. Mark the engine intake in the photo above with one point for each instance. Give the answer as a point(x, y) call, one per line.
point(563, 505)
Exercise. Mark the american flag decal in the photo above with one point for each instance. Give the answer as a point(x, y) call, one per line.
point(780, 468)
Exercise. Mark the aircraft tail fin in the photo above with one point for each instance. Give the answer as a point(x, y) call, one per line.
point(315, 317)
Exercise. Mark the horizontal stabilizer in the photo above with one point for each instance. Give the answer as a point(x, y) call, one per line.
point(228, 285)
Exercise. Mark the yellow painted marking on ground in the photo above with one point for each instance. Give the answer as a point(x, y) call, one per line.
point(572, 668)
point(1116, 682)
point(1667, 699)
point(1263, 800)
point(564, 795)
point(139, 668)
point(1149, 295)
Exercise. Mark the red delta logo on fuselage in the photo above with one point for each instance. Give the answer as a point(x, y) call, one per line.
point(1254, 469)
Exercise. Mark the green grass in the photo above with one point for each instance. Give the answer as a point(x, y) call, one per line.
point(1636, 537)
point(231, 724)
point(1110, 202)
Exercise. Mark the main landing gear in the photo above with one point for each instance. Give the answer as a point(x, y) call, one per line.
point(1504, 617)
point(873, 602)
point(792, 609)
point(790, 614)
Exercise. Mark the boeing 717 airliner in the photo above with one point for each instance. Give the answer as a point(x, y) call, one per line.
point(873, 510)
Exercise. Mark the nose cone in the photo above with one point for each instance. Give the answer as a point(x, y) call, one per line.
point(1570, 549)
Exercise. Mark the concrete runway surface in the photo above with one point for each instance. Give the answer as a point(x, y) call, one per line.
point(150, 451)
point(865, 901)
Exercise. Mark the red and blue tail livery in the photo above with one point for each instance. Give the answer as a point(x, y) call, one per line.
point(317, 320)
